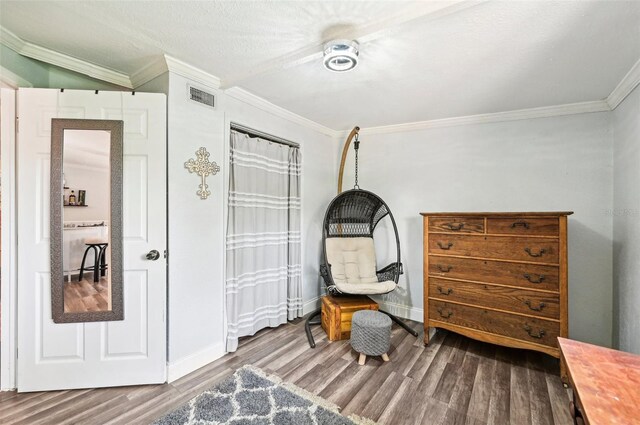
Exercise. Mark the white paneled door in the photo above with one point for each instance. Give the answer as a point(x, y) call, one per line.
point(94, 354)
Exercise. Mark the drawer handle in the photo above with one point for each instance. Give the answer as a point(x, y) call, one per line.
point(539, 308)
point(445, 315)
point(541, 277)
point(533, 254)
point(455, 227)
point(520, 223)
point(445, 247)
point(443, 292)
point(538, 335)
point(444, 269)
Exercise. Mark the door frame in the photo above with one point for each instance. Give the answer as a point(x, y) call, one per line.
point(8, 284)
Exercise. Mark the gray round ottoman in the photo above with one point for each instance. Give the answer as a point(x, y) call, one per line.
point(370, 334)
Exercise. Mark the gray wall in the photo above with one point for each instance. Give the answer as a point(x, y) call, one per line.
point(194, 232)
point(197, 228)
point(543, 164)
point(548, 164)
point(626, 224)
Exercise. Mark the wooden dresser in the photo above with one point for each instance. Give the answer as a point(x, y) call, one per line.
point(497, 277)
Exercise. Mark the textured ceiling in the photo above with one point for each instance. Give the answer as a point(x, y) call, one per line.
point(419, 60)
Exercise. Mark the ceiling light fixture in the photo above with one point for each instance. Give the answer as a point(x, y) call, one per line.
point(341, 55)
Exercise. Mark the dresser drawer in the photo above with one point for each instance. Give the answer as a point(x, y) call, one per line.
point(456, 224)
point(500, 297)
point(529, 329)
point(516, 274)
point(524, 226)
point(538, 250)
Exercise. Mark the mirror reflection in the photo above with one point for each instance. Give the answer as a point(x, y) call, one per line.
point(86, 217)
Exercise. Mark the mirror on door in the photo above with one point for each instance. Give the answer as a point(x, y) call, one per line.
point(86, 220)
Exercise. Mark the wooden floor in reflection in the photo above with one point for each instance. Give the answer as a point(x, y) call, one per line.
point(86, 295)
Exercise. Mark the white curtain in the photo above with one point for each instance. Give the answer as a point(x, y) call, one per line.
point(264, 285)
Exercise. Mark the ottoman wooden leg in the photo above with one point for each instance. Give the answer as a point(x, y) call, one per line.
point(362, 359)
point(385, 357)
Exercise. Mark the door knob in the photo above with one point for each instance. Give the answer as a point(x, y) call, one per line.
point(153, 255)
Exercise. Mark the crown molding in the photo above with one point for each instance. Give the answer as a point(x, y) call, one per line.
point(155, 68)
point(166, 63)
point(43, 54)
point(625, 87)
point(196, 74)
point(11, 40)
point(12, 80)
point(521, 114)
point(263, 104)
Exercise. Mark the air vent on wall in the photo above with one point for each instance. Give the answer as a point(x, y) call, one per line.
point(201, 96)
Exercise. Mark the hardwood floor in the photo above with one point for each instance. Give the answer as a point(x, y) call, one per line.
point(454, 380)
point(86, 295)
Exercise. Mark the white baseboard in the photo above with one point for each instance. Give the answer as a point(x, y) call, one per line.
point(195, 361)
point(311, 305)
point(401, 310)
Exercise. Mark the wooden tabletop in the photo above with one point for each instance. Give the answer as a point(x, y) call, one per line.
point(499, 214)
point(607, 382)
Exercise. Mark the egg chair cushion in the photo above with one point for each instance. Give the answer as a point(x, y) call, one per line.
point(353, 266)
point(377, 288)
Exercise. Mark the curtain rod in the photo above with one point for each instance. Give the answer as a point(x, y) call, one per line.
point(260, 134)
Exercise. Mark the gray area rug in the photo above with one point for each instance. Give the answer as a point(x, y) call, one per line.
point(251, 397)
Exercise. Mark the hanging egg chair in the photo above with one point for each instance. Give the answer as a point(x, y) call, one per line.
point(348, 251)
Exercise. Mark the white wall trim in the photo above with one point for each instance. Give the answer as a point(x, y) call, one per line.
point(401, 310)
point(11, 40)
point(43, 54)
point(166, 63)
point(8, 281)
point(625, 87)
point(311, 305)
point(191, 72)
point(12, 80)
point(263, 104)
point(195, 361)
point(148, 72)
point(521, 114)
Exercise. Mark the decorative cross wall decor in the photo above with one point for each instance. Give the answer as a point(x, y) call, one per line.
point(202, 167)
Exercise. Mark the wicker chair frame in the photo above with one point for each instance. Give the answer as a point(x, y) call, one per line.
point(352, 214)
point(356, 213)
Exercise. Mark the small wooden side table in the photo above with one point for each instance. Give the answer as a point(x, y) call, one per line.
point(337, 313)
point(605, 382)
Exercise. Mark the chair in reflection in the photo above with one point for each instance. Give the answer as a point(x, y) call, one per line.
point(99, 267)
